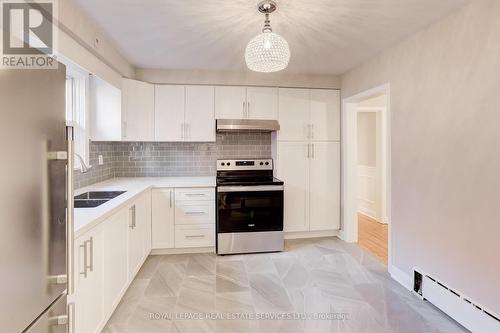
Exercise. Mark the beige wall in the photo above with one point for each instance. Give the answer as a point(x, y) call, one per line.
point(282, 79)
point(445, 148)
point(367, 140)
point(76, 41)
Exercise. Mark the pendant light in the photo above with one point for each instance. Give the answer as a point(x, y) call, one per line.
point(267, 52)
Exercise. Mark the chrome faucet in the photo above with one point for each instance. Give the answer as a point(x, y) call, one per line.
point(83, 167)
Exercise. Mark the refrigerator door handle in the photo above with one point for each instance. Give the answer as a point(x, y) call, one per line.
point(70, 250)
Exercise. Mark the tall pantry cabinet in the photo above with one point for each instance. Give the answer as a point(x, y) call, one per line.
point(309, 158)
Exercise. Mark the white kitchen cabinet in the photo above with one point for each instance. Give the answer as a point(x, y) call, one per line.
point(325, 115)
point(199, 117)
point(89, 289)
point(262, 103)
point(194, 236)
point(293, 169)
point(324, 192)
point(115, 275)
point(138, 219)
point(163, 226)
point(169, 112)
point(246, 103)
point(137, 110)
point(311, 172)
point(105, 110)
point(184, 113)
point(230, 102)
point(294, 114)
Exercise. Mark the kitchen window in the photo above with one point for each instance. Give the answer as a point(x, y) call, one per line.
point(77, 88)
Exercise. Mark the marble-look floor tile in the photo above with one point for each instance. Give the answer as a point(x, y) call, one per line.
point(231, 276)
point(166, 281)
point(201, 264)
point(311, 276)
point(269, 293)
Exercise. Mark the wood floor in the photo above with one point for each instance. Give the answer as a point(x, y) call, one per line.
point(372, 236)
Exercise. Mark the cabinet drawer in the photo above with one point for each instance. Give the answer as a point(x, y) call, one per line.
point(195, 236)
point(190, 194)
point(194, 212)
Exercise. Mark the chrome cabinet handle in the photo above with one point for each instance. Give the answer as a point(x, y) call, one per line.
point(308, 150)
point(312, 146)
point(244, 113)
point(195, 194)
point(194, 213)
point(195, 236)
point(91, 243)
point(312, 131)
point(132, 222)
point(85, 258)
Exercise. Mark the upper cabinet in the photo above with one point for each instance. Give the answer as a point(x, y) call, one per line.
point(230, 102)
point(199, 117)
point(137, 110)
point(309, 115)
point(246, 103)
point(294, 114)
point(184, 113)
point(105, 111)
point(325, 115)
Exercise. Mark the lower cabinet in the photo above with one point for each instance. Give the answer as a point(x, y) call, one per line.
point(311, 172)
point(183, 217)
point(163, 227)
point(89, 265)
point(107, 258)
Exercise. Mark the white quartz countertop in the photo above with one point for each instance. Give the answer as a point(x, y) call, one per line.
point(87, 218)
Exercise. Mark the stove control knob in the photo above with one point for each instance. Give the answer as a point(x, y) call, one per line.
point(267, 163)
point(261, 163)
point(228, 164)
point(223, 164)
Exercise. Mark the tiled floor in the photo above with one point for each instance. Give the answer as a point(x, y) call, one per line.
point(323, 276)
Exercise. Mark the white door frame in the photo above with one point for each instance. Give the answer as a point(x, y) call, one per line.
point(349, 232)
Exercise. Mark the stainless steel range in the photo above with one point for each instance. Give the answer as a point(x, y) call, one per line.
point(249, 207)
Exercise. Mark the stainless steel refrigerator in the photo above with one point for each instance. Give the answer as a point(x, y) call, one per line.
point(35, 218)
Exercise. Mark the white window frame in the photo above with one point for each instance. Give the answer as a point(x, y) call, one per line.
point(77, 110)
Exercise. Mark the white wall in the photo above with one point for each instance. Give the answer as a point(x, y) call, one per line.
point(76, 41)
point(238, 78)
point(367, 139)
point(445, 141)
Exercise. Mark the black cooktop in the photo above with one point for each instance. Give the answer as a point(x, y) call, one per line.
point(239, 178)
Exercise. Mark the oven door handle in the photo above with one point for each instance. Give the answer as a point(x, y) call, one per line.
point(258, 188)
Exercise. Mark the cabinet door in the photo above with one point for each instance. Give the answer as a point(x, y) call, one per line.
point(162, 218)
point(293, 169)
point(293, 114)
point(105, 111)
point(262, 103)
point(325, 186)
point(169, 112)
point(135, 239)
point(89, 288)
point(138, 110)
point(230, 102)
point(325, 115)
point(115, 258)
point(146, 222)
point(199, 117)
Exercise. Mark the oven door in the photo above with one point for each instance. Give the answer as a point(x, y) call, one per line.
point(249, 208)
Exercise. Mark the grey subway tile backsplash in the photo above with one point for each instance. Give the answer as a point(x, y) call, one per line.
point(164, 159)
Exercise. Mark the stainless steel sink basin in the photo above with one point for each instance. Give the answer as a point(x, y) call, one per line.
point(95, 198)
point(89, 203)
point(99, 195)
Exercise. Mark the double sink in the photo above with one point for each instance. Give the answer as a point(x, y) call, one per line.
point(95, 198)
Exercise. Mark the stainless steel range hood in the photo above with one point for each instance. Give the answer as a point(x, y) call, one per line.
point(249, 125)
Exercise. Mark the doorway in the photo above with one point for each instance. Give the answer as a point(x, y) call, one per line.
point(366, 172)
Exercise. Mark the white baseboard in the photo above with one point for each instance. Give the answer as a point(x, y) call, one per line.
point(401, 277)
point(311, 234)
point(209, 249)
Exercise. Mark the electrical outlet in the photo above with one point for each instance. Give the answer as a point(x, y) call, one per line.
point(101, 160)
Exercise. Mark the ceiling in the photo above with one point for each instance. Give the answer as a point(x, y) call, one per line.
point(325, 36)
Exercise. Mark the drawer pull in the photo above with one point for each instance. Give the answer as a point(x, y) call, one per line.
point(195, 213)
point(195, 236)
point(196, 194)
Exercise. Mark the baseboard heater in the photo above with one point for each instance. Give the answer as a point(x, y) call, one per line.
point(466, 312)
